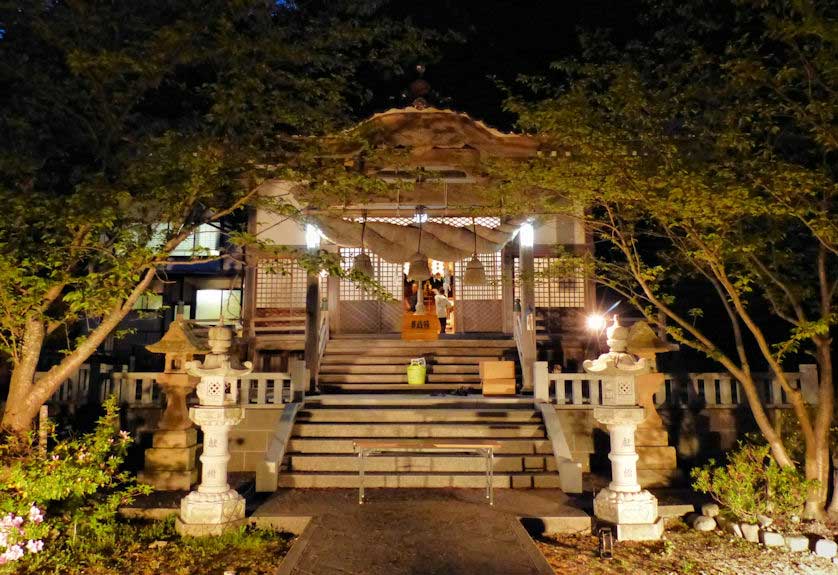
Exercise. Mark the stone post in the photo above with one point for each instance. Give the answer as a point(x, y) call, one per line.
point(632, 510)
point(214, 507)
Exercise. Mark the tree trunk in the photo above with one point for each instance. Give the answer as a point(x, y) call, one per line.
point(25, 396)
point(832, 510)
point(826, 388)
point(18, 414)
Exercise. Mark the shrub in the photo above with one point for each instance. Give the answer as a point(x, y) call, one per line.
point(69, 496)
point(752, 484)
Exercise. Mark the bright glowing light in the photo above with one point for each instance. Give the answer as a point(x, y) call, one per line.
point(420, 216)
point(312, 236)
point(595, 322)
point(527, 237)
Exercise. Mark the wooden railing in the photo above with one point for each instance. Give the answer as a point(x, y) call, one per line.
point(705, 389)
point(322, 340)
point(523, 327)
point(74, 390)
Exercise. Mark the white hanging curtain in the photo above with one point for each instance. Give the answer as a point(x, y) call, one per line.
point(396, 244)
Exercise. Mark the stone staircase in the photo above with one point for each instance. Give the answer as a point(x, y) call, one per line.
point(320, 450)
point(380, 365)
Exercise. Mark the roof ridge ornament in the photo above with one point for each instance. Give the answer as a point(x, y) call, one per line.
point(419, 89)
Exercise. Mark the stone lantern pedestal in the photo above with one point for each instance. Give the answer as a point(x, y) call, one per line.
point(171, 462)
point(632, 510)
point(214, 507)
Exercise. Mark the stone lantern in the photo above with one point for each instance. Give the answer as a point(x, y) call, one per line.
point(632, 510)
point(658, 463)
point(170, 464)
point(214, 507)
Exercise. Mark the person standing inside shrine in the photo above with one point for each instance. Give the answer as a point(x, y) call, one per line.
point(443, 308)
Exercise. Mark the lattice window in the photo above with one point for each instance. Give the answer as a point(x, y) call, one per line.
point(491, 290)
point(280, 284)
point(390, 275)
point(456, 221)
point(552, 291)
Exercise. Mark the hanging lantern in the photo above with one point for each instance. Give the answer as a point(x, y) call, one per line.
point(362, 263)
point(418, 270)
point(475, 274)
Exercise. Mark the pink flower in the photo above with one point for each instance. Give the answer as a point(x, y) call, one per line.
point(124, 434)
point(34, 546)
point(17, 521)
point(35, 514)
point(14, 553)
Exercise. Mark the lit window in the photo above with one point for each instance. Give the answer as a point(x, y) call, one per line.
point(211, 305)
point(149, 301)
point(205, 241)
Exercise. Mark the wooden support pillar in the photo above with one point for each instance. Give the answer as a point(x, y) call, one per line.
point(507, 268)
point(312, 326)
point(333, 295)
point(527, 291)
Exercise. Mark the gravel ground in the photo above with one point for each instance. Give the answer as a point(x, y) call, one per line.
point(683, 552)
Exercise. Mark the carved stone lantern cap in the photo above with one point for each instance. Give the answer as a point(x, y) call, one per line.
point(616, 361)
point(180, 339)
point(643, 341)
point(220, 339)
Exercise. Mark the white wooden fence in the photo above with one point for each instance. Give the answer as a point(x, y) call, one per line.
point(706, 389)
point(141, 389)
point(76, 389)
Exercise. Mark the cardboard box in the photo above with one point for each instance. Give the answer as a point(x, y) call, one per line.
point(497, 370)
point(499, 386)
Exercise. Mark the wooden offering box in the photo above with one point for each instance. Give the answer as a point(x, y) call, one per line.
point(420, 327)
point(498, 377)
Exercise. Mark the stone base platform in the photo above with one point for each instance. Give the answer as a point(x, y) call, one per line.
point(169, 480)
point(541, 511)
point(640, 532)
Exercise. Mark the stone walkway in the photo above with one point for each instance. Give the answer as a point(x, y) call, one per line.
point(417, 532)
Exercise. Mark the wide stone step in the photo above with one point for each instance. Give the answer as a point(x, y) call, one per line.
point(395, 369)
point(445, 343)
point(419, 462)
point(460, 369)
point(400, 387)
point(411, 415)
point(462, 430)
point(511, 445)
point(396, 377)
point(356, 359)
point(414, 401)
point(522, 480)
point(481, 352)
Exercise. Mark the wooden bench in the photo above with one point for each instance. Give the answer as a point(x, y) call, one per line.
point(395, 447)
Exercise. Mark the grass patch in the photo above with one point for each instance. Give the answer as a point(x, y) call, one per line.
point(154, 547)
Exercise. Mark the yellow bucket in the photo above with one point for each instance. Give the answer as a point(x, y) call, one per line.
point(416, 372)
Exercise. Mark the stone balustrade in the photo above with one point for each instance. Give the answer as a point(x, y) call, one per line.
point(710, 389)
point(141, 389)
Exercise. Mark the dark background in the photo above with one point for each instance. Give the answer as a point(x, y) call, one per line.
point(498, 40)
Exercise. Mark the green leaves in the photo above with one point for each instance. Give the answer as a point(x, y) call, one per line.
point(751, 483)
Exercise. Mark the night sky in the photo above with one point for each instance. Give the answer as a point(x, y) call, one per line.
point(501, 39)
